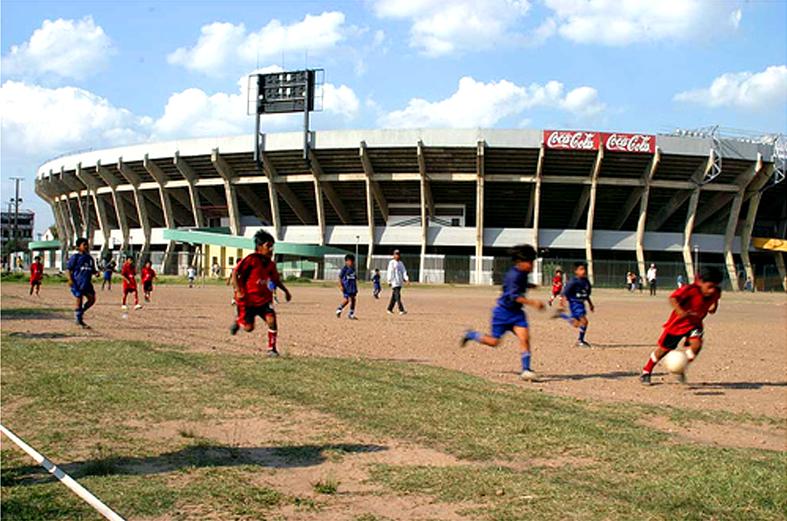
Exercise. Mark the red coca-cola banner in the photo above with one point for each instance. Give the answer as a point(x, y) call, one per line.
point(635, 143)
point(572, 140)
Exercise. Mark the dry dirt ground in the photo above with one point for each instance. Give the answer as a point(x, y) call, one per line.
point(742, 368)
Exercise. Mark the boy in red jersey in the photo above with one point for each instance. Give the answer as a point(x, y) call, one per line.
point(36, 275)
point(251, 280)
point(690, 305)
point(129, 274)
point(557, 285)
point(146, 276)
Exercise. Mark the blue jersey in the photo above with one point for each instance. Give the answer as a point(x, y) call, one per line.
point(376, 280)
point(82, 266)
point(349, 282)
point(514, 286)
point(577, 290)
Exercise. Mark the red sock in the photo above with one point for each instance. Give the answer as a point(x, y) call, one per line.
point(651, 364)
point(271, 340)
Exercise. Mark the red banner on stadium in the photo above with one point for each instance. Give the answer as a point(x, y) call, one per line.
point(572, 140)
point(635, 143)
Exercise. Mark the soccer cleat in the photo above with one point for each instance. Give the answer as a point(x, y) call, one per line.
point(138, 307)
point(389, 312)
point(124, 307)
point(339, 313)
point(582, 343)
point(81, 323)
point(234, 328)
point(272, 353)
point(352, 317)
point(644, 378)
point(403, 312)
point(528, 375)
point(682, 378)
point(465, 338)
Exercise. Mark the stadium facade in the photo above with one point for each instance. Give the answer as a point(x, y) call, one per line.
point(601, 196)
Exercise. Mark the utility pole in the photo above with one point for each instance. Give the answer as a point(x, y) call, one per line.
point(16, 201)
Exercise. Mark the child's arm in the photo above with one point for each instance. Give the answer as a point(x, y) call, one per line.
point(530, 302)
point(714, 308)
point(286, 291)
point(590, 303)
point(676, 307)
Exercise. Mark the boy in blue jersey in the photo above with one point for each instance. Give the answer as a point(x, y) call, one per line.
point(349, 285)
point(509, 314)
point(376, 286)
point(577, 292)
point(80, 270)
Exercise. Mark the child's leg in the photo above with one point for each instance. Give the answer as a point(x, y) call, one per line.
point(695, 346)
point(352, 306)
point(78, 311)
point(270, 319)
point(89, 301)
point(582, 323)
point(125, 296)
point(136, 297)
point(523, 335)
point(487, 340)
point(655, 356)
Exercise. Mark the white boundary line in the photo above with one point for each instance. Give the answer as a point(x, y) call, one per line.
point(64, 478)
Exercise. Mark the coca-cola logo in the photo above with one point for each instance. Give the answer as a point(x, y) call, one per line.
point(571, 140)
point(638, 143)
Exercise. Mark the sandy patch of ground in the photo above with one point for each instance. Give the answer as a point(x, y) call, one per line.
point(735, 435)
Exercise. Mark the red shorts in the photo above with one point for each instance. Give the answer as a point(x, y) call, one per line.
point(670, 341)
point(129, 289)
point(35, 282)
point(556, 290)
point(247, 314)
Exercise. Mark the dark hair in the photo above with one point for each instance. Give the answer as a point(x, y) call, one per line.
point(711, 274)
point(580, 264)
point(263, 237)
point(523, 252)
point(131, 257)
point(349, 256)
point(559, 270)
point(81, 241)
point(38, 257)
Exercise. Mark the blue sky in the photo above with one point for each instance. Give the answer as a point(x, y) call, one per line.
point(77, 75)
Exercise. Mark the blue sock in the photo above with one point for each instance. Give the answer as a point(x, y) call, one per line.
point(567, 318)
point(526, 361)
point(474, 335)
point(582, 330)
point(78, 314)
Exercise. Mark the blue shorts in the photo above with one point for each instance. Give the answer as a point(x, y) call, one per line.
point(349, 295)
point(505, 320)
point(577, 308)
point(107, 275)
point(83, 292)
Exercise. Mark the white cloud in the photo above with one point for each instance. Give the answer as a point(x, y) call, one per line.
point(622, 22)
point(223, 48)
point(441, 28)
point(60, 48)
point(42, 121)
point(195, 113)
point(745, 90)
point(479, 104)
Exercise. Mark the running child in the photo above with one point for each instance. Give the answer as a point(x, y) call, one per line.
point(252, 293)
point(348, 283)
point(80, 270)
point(577, 292)
point(557, 285)
point(109, 269)
point(690, 305)
point(36, 275)
point(509, 314)
point(129, 274)
point(146, 276)
point(191, 274)
point(376, 286)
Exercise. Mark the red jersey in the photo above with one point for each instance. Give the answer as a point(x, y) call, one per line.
point(36, 272)
point(253, 274)
point(129, 273)
point(557, 284)
point(147, 274)
point(691, 299)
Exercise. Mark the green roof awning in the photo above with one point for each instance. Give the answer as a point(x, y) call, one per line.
point(247, 243)
point(44, 245)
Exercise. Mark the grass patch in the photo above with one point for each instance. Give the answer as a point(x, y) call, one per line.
point(34, 313)
point(527, 454)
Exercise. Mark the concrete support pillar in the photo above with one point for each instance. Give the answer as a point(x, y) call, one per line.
point(320, 209)
point(370, 218)
point(479, 213)
point(729, 237)
point(270, 173)
point(142, 211)
point(427, 206)
point(647, 177)
point(748, 226)
point(120, 212)
point(779, 257)
point(228, 174)
point(189, 175)
point(688, 231)
point(537, 197)
point(592, 212)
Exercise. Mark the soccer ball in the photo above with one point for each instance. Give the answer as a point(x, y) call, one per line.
point(675, 362)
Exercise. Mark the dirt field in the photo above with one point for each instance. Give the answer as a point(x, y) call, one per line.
point(741, 369)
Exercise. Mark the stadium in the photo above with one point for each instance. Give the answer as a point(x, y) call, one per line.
point(451, 200)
